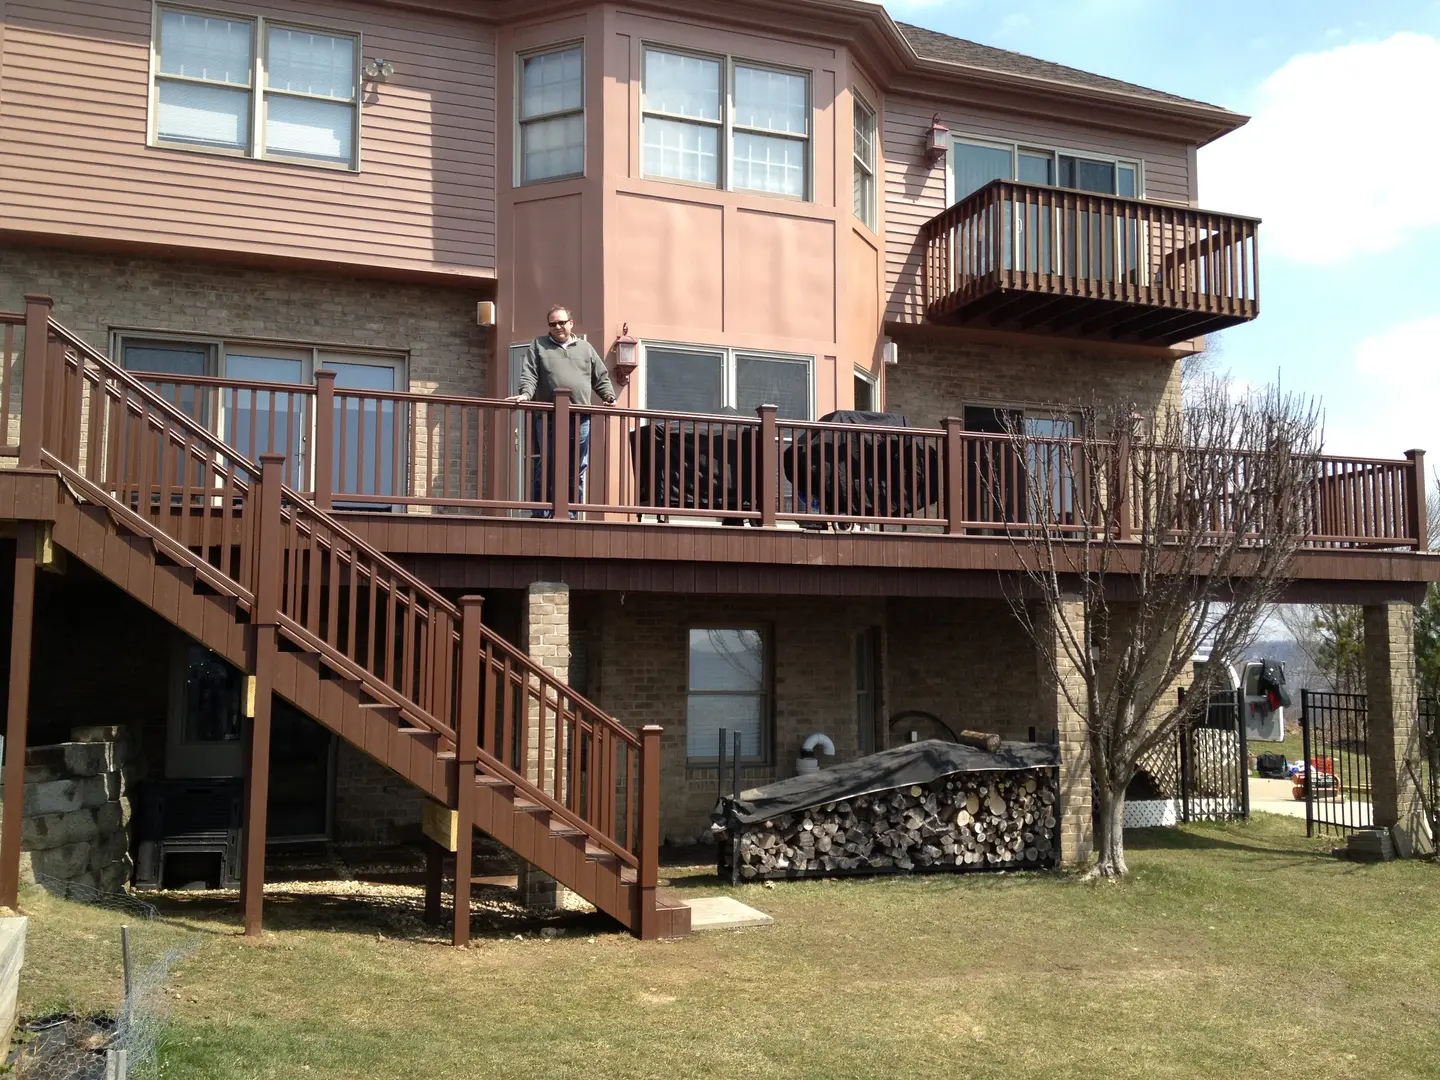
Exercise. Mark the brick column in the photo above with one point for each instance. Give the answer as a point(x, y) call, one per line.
point(1077, 841)
point(1394, 735)
point(545, 633)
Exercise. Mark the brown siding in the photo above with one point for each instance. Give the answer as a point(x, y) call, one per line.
point(73, 115)
point(915, 191)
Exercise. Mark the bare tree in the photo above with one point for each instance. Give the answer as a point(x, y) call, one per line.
point(1143, 543)
point(1332, 638)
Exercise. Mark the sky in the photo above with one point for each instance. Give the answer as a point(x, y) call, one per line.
point(1341, 160)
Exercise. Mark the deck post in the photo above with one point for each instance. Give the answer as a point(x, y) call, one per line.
point(467, 747)
point(769, 493)
point(560, 455)
point(324, 451)
point(22, 632)
point(269, 567)
point(1416, 494)
point(647, 923)
point(954, 477)
point(32, 385)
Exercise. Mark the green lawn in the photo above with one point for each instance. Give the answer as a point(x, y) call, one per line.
point(1233, 951)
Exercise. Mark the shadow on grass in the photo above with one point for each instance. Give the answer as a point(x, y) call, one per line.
point(1211, 838)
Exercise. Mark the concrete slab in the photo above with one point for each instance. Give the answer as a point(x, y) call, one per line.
point(723, 913)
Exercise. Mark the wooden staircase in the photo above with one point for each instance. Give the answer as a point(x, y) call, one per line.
point(223, 549)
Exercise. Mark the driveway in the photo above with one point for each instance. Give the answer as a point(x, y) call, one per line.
point(1276, 797)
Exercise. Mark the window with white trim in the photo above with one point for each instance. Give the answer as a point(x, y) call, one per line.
point(866, 186)
point(690, 378)
point(975, 163)
point(255, 88)
point(692, 105)
point(728, 686)
point(550, 109)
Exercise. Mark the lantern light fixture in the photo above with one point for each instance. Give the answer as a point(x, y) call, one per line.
point(627, 354)
point(937, 141)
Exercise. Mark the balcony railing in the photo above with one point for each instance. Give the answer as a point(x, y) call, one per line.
point(423, 453)
point(1039, 259)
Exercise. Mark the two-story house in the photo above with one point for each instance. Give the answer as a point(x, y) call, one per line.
point(329, 229)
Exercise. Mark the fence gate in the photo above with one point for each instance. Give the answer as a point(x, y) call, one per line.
point(1212, 760)
point(1337, 762)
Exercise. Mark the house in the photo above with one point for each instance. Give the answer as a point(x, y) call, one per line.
point(325, 232)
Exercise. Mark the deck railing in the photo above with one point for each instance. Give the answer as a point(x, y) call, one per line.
point(165, 464)
point(354, 449)
point(1030, 238)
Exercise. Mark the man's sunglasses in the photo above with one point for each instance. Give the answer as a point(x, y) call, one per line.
point(562, 322)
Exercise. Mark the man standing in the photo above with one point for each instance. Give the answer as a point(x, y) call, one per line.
point(556, 359)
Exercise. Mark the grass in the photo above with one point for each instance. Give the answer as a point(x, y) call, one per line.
point(1239, 951)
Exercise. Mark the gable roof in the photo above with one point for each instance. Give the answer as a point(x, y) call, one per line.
point(932, 45)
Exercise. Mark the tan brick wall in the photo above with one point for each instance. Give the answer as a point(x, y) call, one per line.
point(97, 293)
point(545, 636)
point(1077, 832)
point(938, 376)
point(372, 804)
point(1394, 735)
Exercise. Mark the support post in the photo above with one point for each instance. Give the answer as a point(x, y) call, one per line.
point(467, 746)
point(22, 631)
point(1416, 494)
point(1075, 806)
point(32, 385)
point(954, 476)
point(1124, 525)
point(769, 492)
point(324, 451)
point(560, 461)
point(269, 568)
point(648, 876)
point(1392, 706)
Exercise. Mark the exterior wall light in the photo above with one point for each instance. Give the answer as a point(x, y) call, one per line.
point(627, 354)
point(379, 69)
point(937, 141)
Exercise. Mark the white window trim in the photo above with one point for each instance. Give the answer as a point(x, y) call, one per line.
point(259, 58)
point(728, 356)
point(871, 218)
point(518, 141)
point(727, 125)
point(1016, 148)
point(868, 377)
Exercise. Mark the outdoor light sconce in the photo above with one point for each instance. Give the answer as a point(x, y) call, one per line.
point(937, 141)
point(379, 69)
point(627, 354)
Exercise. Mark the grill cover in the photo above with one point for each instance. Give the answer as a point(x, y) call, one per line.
point(694, 464)
point(901, 766)
point(867, 473)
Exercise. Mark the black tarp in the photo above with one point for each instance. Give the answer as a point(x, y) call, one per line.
point(695, 464)
point(865, 473)
point(901, 766)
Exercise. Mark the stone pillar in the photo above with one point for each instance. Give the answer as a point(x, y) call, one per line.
point(1077, 839)
point(1392, 707)
point(545, 634)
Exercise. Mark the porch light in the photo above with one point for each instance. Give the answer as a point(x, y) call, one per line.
point(379, 69)
point(937, 141)
point(627, 354)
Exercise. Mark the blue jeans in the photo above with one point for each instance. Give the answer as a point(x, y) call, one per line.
point(542, 489)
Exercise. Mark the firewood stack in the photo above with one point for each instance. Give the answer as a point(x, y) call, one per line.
point(964, 821)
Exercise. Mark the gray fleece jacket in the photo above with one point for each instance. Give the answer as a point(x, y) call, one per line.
point(551, 364)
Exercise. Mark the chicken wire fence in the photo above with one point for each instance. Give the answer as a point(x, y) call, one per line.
point(123, 1043)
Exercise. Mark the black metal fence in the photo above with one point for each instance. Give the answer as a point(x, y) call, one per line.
point(1203, 766)
point(1337, 774)
point(1430, 762)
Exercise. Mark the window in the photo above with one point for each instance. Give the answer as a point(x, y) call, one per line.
point(761, 115)
point(256, 420)
point(208, 68)
point(867, 392)
point(866, 191)
point(728, 688)
point(973, 164)
point(552, 115)
point(680, 378)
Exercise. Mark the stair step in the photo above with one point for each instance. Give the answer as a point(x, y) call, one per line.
point(417, 732)
point(525, 806)
point(562, 828)
point(595, 853)
point(486, 780)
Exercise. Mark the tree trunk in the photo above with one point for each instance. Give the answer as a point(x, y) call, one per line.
point(1110, 832)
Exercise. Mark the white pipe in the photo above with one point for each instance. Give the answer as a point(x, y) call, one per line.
point(821, 741)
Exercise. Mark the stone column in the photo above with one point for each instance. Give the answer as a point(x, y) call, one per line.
point(1077, 840)
point(545, 634)
point(1393, 703)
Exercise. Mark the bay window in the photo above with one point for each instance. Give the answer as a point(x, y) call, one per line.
point(866, 186)
point(551, 115)
point(687, 378)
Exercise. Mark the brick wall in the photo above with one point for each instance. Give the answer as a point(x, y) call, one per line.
point(1394, 729)
point(640, 678)
point(937, 376)
point(372, 804)
point(95, 293)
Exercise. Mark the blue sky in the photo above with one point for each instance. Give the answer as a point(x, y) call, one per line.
point(1341, 161)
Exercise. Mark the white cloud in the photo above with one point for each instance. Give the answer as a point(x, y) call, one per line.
point(1340, 158)
point(1389, 405)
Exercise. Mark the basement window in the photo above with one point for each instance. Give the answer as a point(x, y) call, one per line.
point(728, 687)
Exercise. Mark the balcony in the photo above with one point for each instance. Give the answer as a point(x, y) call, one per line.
point(1037, 259)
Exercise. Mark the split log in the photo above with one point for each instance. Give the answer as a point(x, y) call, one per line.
point(981, 740)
